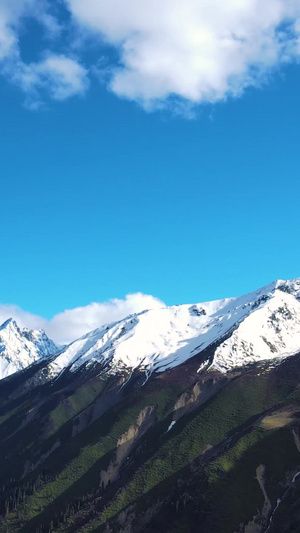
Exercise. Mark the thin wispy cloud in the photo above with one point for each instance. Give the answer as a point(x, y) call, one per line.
point(168, 51)
point(56, 74)
point(72, 323)
point(60, 76)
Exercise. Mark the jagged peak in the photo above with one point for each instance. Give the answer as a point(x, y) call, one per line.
point(289, 286)
point(162, 338)
point(22, 347)
point(9, 323)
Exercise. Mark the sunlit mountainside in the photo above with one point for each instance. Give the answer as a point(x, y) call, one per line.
point(179, 419)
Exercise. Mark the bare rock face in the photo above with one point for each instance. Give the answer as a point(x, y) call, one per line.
point(126, 442)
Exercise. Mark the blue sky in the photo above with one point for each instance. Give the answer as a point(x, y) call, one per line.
point(117, 181)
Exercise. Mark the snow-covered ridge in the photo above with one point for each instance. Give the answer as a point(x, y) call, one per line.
point(264, 324)
point(21, 347)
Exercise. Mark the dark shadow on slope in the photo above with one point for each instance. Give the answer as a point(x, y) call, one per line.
point(290, 373)
point(156, 435)
point(187, 502)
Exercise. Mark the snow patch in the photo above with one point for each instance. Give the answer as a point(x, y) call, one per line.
point(171, 425)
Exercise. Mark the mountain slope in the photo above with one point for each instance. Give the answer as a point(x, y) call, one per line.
point(164, 422)
point(265, 324)
point(180, 453)
point(261, 325)
point(22, 347)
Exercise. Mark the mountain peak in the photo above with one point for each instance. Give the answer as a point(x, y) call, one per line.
point(290, 286)
point(9, 323)
point(267, 319)
point(159, 339)
point(22, 347)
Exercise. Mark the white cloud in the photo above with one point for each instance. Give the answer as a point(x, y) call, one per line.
point(72, 323)
point(23, 318)
point(61, 76)
point(170, 52)
point(197, 50)
point(12, 15)
point(65, 76)
point(56, 74)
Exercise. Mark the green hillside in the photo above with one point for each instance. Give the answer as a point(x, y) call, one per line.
point(88, 453)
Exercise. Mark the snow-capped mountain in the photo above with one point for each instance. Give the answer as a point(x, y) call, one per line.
point(83, 439)
point(21, 347)
point(262, 325)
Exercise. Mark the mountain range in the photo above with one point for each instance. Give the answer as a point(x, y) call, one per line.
point(179, 419)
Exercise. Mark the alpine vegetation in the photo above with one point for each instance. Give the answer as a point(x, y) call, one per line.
point(181, 418)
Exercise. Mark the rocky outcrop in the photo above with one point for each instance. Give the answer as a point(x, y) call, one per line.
point(126, 442)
